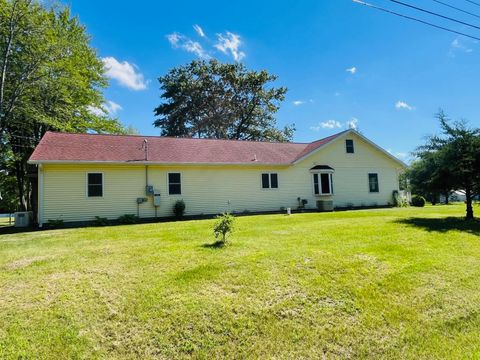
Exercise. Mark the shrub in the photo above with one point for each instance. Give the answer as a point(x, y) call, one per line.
point(179, 209)
point(223, 226)
point(100, 221)
point(418, 201)
point(399, 201)
point(127, 219)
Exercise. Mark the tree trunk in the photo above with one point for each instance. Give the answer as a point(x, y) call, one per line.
point(447, 194)
point(22, 191)
point(468, 195)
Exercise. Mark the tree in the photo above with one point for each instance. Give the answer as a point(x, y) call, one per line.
point(50, 79)
point(430, 178)
point(222, 101)
point(457, 152)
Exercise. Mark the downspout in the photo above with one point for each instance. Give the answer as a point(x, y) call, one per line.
point(40, 195)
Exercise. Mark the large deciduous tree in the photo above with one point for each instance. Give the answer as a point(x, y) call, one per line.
point(456, 155)
point(209, 99)
point(50, 79)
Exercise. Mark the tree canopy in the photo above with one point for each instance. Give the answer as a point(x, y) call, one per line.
point(209, 99)
point(450, 161)
point(50, 79)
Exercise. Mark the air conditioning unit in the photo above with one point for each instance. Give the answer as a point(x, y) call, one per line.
point(325, 205)
point(23, 219)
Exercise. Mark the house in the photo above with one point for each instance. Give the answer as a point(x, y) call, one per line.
point(81, 176)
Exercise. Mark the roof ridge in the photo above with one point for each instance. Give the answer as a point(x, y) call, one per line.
point(192, 138)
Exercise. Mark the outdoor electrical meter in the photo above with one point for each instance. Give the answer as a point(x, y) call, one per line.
point(156, 198)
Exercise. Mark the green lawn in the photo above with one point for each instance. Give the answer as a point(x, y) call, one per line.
point(394, 283)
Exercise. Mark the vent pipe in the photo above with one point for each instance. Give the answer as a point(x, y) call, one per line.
point(145, 148)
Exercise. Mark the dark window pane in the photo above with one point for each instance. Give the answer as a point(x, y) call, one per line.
point(174, 178)
point(331, 183)
point(95, 179)
point(274, 181)
point(349, 146)
point(174, 189)
point(95, 191)
point(325, 178)
point(265, 181)
point(373, 182)
point(315, 184)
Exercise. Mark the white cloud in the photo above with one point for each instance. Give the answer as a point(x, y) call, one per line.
point(458, 45)
point(352, 124)
point(108, 108)
point(337, 93)
point(179, 41)
point(401, 155)
point(112, 107)
point(125, 73)
point(199, 30)
point(95, 110)
point(352, 70)
point(402, 105)
point(329, 124)
point(229, 44)
point(174, 38)
point(298, 102)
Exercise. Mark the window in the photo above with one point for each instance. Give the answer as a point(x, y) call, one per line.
point(373, 183)
point(174, 184)
point(270, 181)
point(349, 146)
point(94, 184)
point(322, 184)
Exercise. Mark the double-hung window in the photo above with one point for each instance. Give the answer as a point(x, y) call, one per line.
point(269, 181)
point(174, 184)
point(94, 184)
point(373, 183)
point(323, 183)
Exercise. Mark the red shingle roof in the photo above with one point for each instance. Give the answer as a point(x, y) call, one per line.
point(66, 147)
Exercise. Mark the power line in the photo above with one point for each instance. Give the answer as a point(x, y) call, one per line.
point(473, 2)
point(456, 8)
point(435, 14)
point(414, 19)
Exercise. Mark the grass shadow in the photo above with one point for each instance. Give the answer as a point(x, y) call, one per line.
point(444, 225)
point(215, 245)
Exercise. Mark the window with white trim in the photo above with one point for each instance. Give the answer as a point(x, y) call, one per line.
point(174, 184)
point(94, 184)
point(373, 183)
point(322, 183)
point(270, 181)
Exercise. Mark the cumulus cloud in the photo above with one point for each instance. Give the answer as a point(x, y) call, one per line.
point(329, 124)
point(124, 73)
point(352, 70)
point(352, 124)
point(108, 108)
point(179, 41)
point(229, 44)
point(402, 105)
point(199, 30)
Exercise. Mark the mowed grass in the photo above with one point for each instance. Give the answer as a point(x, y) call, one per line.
point(393, 283)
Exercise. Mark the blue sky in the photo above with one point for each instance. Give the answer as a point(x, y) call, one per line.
point(341, 61)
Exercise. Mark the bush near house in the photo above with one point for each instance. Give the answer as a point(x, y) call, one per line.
point(418, 201)
point(179, 209)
